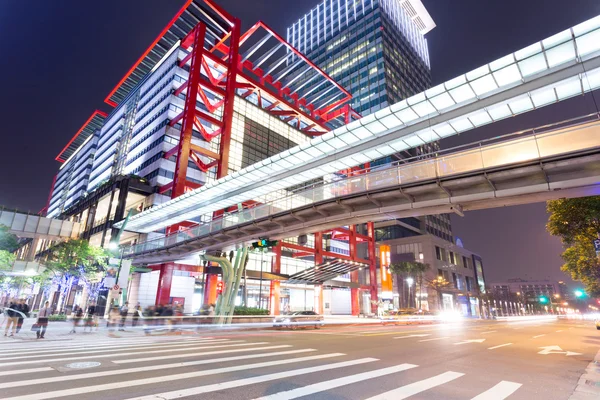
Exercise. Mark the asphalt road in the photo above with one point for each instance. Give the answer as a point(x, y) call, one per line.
point(480, 360)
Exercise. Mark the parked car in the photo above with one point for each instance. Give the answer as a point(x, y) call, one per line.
point(299, 319)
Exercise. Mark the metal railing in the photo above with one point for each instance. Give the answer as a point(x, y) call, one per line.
point(481, 156)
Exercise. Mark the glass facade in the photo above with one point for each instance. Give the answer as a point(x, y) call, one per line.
point(373, 49)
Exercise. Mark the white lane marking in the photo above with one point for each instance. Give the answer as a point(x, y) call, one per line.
point(501, 345)
point(535, 337)
point(483, 333)
point(471, 341)
point(560, 330)
point(206, 353)
point(49, 360)
point(176, 394)
point(417, 387)
point(335, 383)
point(438, 338)
point(409, 336)
point(92, 375)
point(118, 341)
point(37, 354)
point(169, 378)
point(26, 371)
point(499, 392)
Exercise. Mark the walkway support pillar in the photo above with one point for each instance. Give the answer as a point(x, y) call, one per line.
point(163, 292)
point(372, 266)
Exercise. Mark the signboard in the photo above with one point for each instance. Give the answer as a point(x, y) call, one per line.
point(384, 262)
point(597, 247)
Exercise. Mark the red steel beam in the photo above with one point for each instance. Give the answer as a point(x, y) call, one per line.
point(189, 114)
point(223, 164)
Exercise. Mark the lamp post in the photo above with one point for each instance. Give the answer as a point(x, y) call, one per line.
point(409, 281)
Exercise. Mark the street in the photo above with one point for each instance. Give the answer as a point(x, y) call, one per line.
point(470, 360)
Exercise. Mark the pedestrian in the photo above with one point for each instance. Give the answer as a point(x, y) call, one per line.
point(167, 313)
point(42, 321)
point(23, 309)
point(124, 311)
point(77, 316)
point(136, 314)
point(113, 319)
point(89, 317)
point(149, 317)
point(11, 318)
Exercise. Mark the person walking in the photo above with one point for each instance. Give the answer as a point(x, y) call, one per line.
point(23, 309)
point(136, 314)
point(77, 316)
point(113, 319)
point(11, 318)
point(124, 311)
point(89, 317)
point(42, 320)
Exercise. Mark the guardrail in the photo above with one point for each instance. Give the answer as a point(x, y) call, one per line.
point(535, 147)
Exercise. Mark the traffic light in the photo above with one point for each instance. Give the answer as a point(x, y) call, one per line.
point(264, 244)
point(543, 299)
point(579, 293)
point(219, 287)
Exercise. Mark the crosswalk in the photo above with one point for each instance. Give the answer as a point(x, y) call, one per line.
point(153, 368)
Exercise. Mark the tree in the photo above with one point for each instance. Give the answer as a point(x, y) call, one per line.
point(8, 241)
point(577, 223)
point(439, 284)
point(411, 269)
point(76, 257)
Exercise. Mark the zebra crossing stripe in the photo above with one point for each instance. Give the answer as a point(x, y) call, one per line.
point(93, 375)
point(417, 387)
point(83, 357)
point(247, 381)
point(26, 371)
point(499, 392)
point(170, 378)
point(335, 383)
point(206, 353)
point(36, 354)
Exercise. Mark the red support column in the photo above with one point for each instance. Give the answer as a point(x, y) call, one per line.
point(189, 114)
point(372, 264)
point(210, 288)
point(274, 297)
point(354, 292)
point(275, 291)
point(163, 292)
point(234, 44)
point(318, 298)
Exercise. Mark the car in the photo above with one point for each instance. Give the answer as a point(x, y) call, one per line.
point(299, 319)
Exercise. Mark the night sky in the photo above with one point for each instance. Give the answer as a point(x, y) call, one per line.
point(59, 60)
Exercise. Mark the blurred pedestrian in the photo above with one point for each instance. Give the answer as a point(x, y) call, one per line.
point(90, 317)
point(124, 311)
point(42, 320)
point(167, 315)
point(23, 309)
point(11, 318)
point(136, 314)
point(77, 316)
point(114, 317)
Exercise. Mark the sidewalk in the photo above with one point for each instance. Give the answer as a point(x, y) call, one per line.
point(56, 331)
point(588, 387)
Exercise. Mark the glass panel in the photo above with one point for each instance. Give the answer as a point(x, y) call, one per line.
point(414, 172)
point(459, 163)
point(509, 153)
point(407, 115)
point(587, 26)
point(442, 101)
point(571, 140)
point(424, 108)
point(499, 111)
point(560, 54)
point(462, 93)
point(483, 85)
point(507, 75)
point(532, 65)
point(520, 104)
point(543, 96)
point(568, 88)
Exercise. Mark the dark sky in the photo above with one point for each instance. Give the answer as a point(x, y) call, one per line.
point(59, 59)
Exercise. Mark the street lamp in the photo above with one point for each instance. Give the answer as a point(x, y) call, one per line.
point(409, 281)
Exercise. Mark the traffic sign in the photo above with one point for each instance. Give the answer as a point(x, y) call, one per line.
point(116, 287)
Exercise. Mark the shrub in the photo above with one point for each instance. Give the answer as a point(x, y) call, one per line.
point(59, 317)
point(249, 311)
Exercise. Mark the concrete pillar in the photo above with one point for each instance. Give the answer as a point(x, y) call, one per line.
point(274, 298)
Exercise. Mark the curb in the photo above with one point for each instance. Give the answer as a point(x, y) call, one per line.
point(588, 386)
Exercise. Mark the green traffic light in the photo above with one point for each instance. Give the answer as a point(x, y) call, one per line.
point(543, 299)
point(579, 293)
